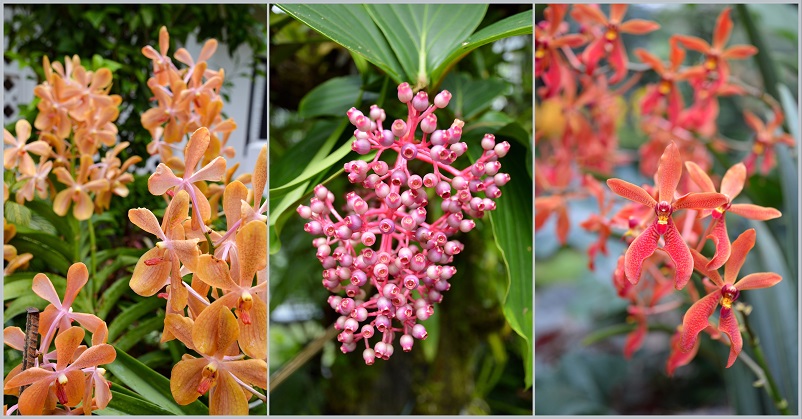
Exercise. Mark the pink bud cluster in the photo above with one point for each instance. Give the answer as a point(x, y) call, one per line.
point(380, 251)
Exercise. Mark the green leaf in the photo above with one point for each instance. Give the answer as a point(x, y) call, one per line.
point(315, 168)
point(136, 334)
point(520, 24)
point(95, 17)
point(111, 295)
point(349, 25)
point(46, 240)
point(334, 97)
point(151, 385)
point(41, 251)
point(16, 289)
point(132, 314)
point(318, 141)
point(512, 227)
point(45, 210)
point(21, 304)
point(472, 96)
point(17, 214)
point(423, 35)
point(123, 404)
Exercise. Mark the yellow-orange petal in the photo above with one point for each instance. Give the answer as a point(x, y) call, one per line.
point(32, 400)
point(259, 178)
point(184, 380)
point(61, 203)
point(162, 179)
point(66, 343)
point(82, 210)
point(196, 146)
point(151, 273)
point(181, 328)
point(94, 356)
point(144, 219)
point(31, 375)
point(214, 272)
point(227, 397)
point(44, 288)
point(176, 211)
point(101, 334)
point(234, 193)
point(77, 276)
point(11, 391)
point(74, 388)
point(14, 337)
point(253, 336)
point(214, 171)
point(89, 321)
point(215, 329)
point(251, 371)
point(252, 247)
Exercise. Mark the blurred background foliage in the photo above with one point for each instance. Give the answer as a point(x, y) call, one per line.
point(473, 361)
point(580, 321)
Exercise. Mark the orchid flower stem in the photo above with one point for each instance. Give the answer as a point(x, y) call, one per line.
point(770, 384)
point(209, 240)
point(92, 260)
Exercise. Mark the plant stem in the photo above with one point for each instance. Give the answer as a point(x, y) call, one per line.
point(770, 384)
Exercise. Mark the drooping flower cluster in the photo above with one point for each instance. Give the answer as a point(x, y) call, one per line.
point(228, 268)
point(71, 375)
point(383, 249)
point(578, 120)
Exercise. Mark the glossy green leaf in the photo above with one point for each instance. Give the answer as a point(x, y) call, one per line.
point(123, 404)
point(111, 295)
point(22, 303)
point(121, 323)
point(151, 385)
point(513, 229)
point(135, 335)
point(46, 241)
point(332, 98)
point(45, 210)
point(17, 214)
point(53, 258)
point(520, 24)
point(469, 97)
point(789, 179)
point(423, 35)
point(16, 289)
point(351, 26)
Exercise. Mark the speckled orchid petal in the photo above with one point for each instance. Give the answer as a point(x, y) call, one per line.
point(728, 324)
point(94, 356)
point(215, 329)
point(635, 338)
point(680, 255)
point(723, 248)
point(151, 273)
point(700, 200)
point(185, 378)
point(66, 343)
point(227, 397)
point(740, 248)
point(699, 177)
point(214, 272)
point(641, 248)
point(758, 280)
point(696, 319)
point(754, 212)
point(14, 337)
point(632, 192)
point(32, 400)
point(144, 219)
point(253, 339)
point(44, 288)
point(251, 371)
point(181, 328)
point(162, 179)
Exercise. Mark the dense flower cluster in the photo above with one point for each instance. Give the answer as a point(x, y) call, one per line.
point(228, 268)
point(579, 115)
point(391, 264)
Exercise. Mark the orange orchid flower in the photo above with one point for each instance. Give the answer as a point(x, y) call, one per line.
point(161, 264)
point(725, 293)
point(67, 377)
point(35, 183)
point(666, 90)
point(58, 315)
point(247, 299)
point(716, 55)
point(163, 179)
point(610, 44)
point(16, 150)
point(226, 378)
point(668, 175)
point(731, 186)
point(77, 190)
point(766, 136)
point(162, 64)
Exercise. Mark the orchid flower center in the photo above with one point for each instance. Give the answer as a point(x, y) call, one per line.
point(663, 211)
point(665, 87)
point(244, 307)
point(209, 379)
point(729, 294)
point(758, 148)
point(611, 34)
point(711, 63)
point(61, 391)
point(719, 212)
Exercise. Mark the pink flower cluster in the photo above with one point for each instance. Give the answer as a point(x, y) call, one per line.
point(391, 264)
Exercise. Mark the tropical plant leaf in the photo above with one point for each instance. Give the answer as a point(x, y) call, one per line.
point(423, 35)
point(110, 296)
point(472, 96)
point(332, 98)
point(135, 335)
point(132, 314)
point(351, 26)
point(123, 404)
point(151, 385)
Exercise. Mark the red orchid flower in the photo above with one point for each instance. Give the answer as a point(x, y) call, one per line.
point(715, 55)
point(696, 318)
point(731, 185)
point(668, 176)
point(666, 90)
point(549, 65)
point(610, 44)
point(765, 138)
point(678, 357)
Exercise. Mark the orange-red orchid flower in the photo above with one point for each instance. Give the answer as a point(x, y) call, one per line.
point(727, 291)
point(731, 185)
point(16, 150)
point(766, 137)
point(77, 190)
point(668, 175)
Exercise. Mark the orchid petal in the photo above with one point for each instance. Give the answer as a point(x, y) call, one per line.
point(77, 276)
point(693, 43)
point(214, 272)
point(215, 329)
point(14, 337)
point(185, 378)
point(739, 52)
point(181, 327)
point(227, 397)
point(638, 26)
point(66, 344)
point(700, 177)
point(723, 29)
point(641, 248)
point(251, 371)
point(722, 242)
point(144, 219)
point(754, 212)
point(733, 182)
point(94, 356)
point(149, 277)
point(635, 338)
point(758, 280)
point(728, 324)
point(700, 200)
point(32, 400)
point(696, 319)
point(669, 172)
point(253, 339)
point(162, 179)
point(44, 288)
point(632, 192)
point(680, 255)
point(740, 248)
